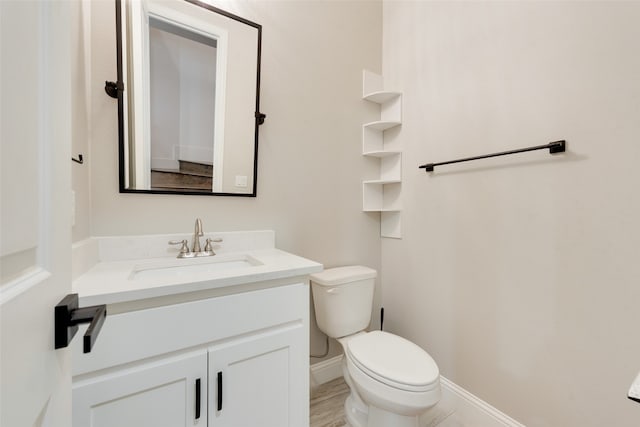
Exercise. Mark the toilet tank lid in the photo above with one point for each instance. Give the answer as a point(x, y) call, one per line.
point(341, 275)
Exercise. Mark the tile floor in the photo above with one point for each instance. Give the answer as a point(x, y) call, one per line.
point(327, 404)
point(327, 408)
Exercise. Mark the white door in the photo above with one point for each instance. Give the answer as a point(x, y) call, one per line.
point(35, 230)
point(170, 392)
point(260, 381)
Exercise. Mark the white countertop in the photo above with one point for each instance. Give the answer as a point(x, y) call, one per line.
point(113, 281)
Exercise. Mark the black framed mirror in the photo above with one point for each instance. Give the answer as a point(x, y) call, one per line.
point(188, 94)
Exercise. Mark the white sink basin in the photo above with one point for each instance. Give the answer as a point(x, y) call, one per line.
point(191, 266)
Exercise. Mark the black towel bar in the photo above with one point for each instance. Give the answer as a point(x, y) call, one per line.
point(67, 316)
point(554, 147)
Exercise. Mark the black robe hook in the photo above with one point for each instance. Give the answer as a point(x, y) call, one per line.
point(112, 88)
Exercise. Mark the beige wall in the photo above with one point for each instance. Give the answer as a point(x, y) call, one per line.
point(309, 162)
point(520, 275)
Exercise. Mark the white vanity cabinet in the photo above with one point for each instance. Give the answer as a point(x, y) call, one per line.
point(159, 394)
point(249, 350)
point(256, 381)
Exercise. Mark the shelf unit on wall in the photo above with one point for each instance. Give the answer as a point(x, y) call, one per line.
point(383, 194)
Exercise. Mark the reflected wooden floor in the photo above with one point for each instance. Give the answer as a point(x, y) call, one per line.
point(327, 404)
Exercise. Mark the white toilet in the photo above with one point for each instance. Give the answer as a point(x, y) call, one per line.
point(393, 381)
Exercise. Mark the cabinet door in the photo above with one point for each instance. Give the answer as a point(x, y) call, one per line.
point(157, 394)
point(262, 380)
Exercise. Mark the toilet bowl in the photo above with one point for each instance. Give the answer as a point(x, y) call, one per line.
point(392, 380)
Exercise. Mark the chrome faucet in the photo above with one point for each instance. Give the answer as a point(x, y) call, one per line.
point(196, 249)
point(197, 233)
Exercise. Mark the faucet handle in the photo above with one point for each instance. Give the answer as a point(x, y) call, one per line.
point(184, 249)
point(209, 247)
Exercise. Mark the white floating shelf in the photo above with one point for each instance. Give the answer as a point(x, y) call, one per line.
point(381, 125)
point(382, 210)
point(383, 194)
point(381, 97)
point(382, 153)
point(382, 181)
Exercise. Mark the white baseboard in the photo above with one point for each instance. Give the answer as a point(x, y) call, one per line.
point(457, 407)
point(325, 371)
point(164, 163)
point(469, 410)
point(197, 154)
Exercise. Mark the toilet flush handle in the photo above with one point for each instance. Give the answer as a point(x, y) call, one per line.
point(333, 290)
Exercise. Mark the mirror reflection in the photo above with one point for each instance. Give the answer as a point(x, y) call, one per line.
point(189, 111)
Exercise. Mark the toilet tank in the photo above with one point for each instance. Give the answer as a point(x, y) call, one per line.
point(343, 299)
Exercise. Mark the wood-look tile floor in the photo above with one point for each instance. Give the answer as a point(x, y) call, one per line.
point(327, 404)
point(327, 408)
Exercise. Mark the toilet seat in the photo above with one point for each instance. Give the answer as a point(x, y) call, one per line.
point(393, 361)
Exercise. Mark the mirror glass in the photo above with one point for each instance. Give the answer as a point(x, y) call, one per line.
point(188, 98)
